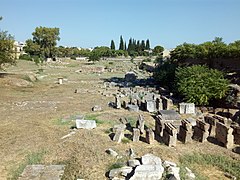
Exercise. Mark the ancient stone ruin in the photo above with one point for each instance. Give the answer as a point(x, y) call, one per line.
point(224, 135)
point(170, 134)
point(42, 172)
point(186, 108)
point(185, 131)
point(201, 131)
point(148, 167)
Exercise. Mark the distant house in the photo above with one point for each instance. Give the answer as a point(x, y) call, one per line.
point(166, 53)
point(18, 49)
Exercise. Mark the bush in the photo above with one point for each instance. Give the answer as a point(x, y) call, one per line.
point(199, 84)
point(25, 57)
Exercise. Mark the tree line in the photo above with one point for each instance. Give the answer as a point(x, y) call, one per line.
point(216, 49)
point(43, 45)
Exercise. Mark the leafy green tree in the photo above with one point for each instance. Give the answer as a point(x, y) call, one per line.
point(164, 73)
point(112, 46)
point(46, 39)
point(199, 84)
point(6, 48)
point(234, 49)
point(32, 48)
point(158, 50)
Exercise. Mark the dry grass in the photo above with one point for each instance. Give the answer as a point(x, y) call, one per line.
point(31, 120)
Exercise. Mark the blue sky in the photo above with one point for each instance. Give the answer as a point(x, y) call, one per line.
point(90, 23)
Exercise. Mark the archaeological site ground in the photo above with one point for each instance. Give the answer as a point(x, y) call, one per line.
point(131, 123)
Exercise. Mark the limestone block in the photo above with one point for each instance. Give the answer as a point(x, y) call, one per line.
point(150, 159)
point(85, 124)
point(149, 136)
point(136, 134)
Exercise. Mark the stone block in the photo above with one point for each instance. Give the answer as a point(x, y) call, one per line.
point(171, 129)
point(149, 136)
point(167, 103)
point(148, 172)
point(133, 163)
point(224, 134)
point(118, 135)
point(184, 135)
point(120, 172)
point(85, 124)
point(54, 172)
point(186, 125)
point(170, 135)
point(132, 107)
point(186, 108)
point(117, 102)
point(200, 135)
point(140, 123)
point(136, 134)
point(119, 127)
point(150, 105)
point(159, 105)
point(150, 159)
point(202, 125)
point(236, 134)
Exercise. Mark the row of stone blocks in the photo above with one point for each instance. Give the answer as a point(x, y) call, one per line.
point(210, 126)
point(151, 105)
point(222, 132)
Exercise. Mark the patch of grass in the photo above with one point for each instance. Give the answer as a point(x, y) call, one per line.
point(132, 121)
point(30, 159)
point(63, 122)
point(108, 131)
point(125, 140)
point(99, 121)
point(118, 164)
point(224, 163)
point(94, 117)
point(91, 117)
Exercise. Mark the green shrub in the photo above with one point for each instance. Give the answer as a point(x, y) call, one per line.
point(25, 57)
point(199, 84)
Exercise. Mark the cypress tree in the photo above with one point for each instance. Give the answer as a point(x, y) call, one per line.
point(112, 45)
point(125, 46)
point(148, 44)
point(121, 45)
point(129, 45)
point(143, 45)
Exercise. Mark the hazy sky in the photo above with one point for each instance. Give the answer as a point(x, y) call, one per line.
point(90, 23)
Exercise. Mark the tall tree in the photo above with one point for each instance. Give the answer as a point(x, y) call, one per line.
point(112, 46)
point(47, 39)
point(147, 44)
point(121, 45)
point(143, 45)
point(125, 46)
point(6, 48)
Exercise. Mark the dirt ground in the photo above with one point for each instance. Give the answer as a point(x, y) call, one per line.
point(32, 119)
